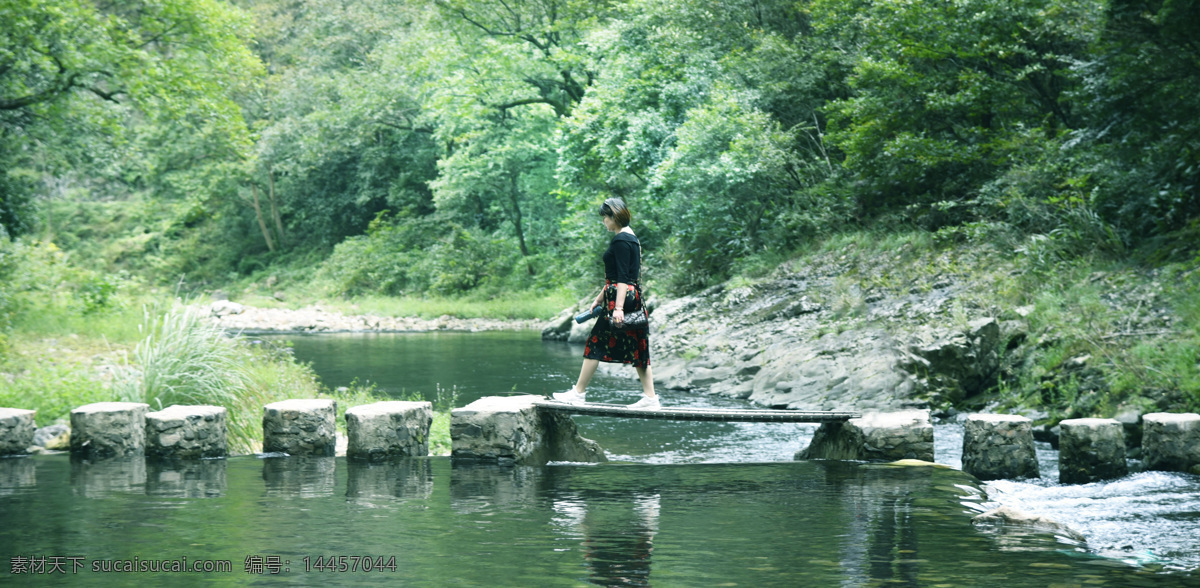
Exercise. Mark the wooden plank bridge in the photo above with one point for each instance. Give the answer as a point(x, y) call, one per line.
point(726, 415)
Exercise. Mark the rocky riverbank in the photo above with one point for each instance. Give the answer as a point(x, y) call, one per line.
point(876, 332)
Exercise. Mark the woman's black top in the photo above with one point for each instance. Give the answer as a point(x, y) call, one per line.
point(623, 259)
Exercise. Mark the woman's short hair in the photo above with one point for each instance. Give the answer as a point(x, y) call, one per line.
point(616, 209)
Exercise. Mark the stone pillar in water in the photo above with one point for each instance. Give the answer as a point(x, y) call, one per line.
point(109, 429)
point(510, 429)
point(883, 436)
point(999, 446)
point(186, 432)
point(1171, 442)
point(300, 427)
point(1090, 450)
point(16, 430)
point(387, 430)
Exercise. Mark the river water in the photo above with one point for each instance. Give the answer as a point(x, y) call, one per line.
point(681, 504)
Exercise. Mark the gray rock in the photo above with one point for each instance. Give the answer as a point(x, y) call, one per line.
point(109, 429)
point(1047, 433)
point(222, 308)
point(186, 432)
point(579, 332)
point(998, 446)
point(57, 436)
point(958, 364)
point(559, 327)
point(387, 430)
point(511, 429)
point(836, 372)
point(1090, 450)
point(1130, 417)
point(1008, 516)
point(884, 436)
point(1171, 441)
point(707, 377)
point(306, 427)
point(16, 430)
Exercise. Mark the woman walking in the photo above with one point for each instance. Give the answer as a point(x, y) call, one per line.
point(622, 296)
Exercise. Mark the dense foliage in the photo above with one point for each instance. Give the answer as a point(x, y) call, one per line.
point(456, 146)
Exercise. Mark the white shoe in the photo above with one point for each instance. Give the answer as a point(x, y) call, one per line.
point(571, 396)
point(646, 402)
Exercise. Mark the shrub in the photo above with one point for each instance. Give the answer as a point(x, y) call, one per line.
point(418, 255)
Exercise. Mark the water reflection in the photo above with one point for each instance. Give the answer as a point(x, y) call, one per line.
point(186, 479)
point(299, 477)
point(782, 524)
point(476, 487)
point(16, 473)
point(405, 478)
point(880, 544)
point(617, 535)
point(98, 479)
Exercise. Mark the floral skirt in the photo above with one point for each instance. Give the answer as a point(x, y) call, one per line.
point(613, 345)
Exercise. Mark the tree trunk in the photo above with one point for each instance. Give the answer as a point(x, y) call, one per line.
point(516, 217)
point(275, 205)
point(262, 224)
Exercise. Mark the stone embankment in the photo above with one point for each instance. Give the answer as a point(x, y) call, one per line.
point(236, 318)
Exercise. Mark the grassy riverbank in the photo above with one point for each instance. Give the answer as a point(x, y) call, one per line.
point(70, 336)
point(56, 372)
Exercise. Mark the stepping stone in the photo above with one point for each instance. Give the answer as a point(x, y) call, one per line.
point(1091, 450)
point(511, 429)
point(16, 430)
point(300, 427)
point(109, 429)
point(881, 436)
point(388, 430)
point(186, 432)
point(1171, 442)
point(999, 447)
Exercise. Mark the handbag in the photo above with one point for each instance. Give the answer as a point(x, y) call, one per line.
point(637, 321)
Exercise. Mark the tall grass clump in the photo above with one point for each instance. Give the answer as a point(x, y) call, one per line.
point(183, 359)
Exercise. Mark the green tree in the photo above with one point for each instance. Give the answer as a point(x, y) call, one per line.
point(76, 76)
point(707, 121)
point(502, 76)
point(336, 138)
point(948, 95)
point(1144, 132)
